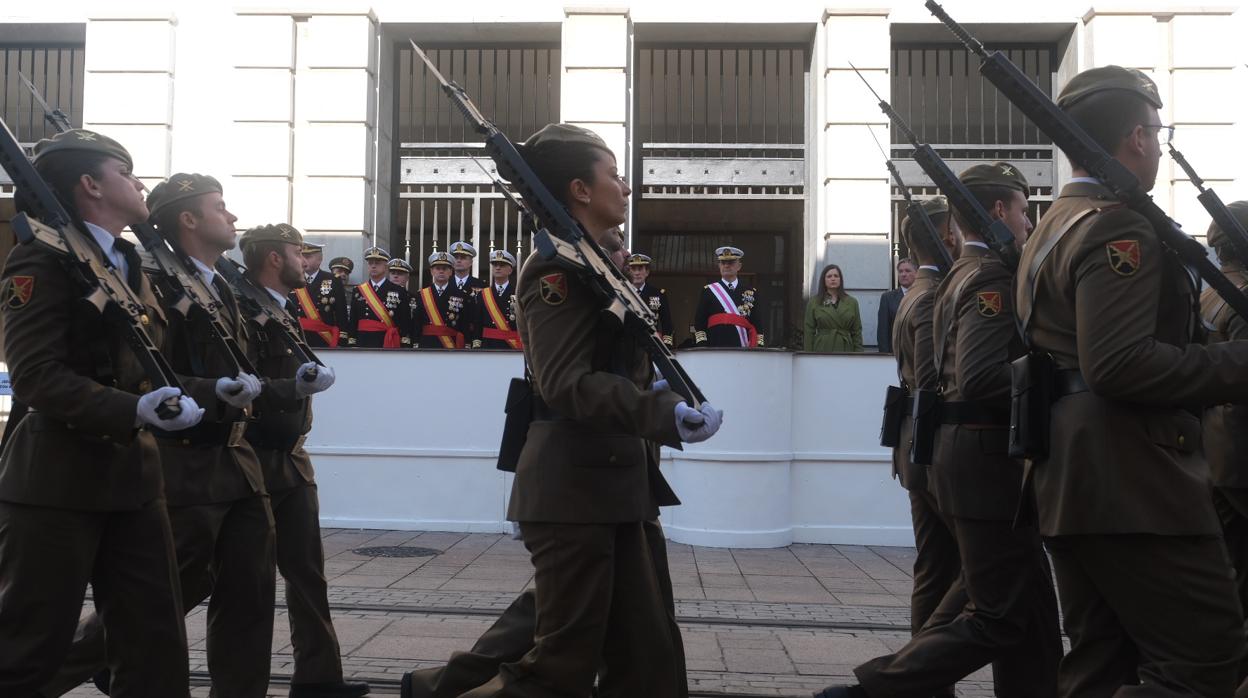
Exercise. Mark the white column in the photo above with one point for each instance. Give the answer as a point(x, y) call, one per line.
point(855, 206)
point(128, 86)
point(594, 88)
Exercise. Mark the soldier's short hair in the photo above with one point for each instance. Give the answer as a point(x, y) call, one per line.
point(62, 174)
point(987, 195)
point(560, 154)
point(921, 245)
point(255, 254)
point(1109, 117)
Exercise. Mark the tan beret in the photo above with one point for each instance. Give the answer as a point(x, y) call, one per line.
point(179, 187)
point(276, 232)
point(1110, 77)
point(998, 174)
point(551, 134)
point(80, 141)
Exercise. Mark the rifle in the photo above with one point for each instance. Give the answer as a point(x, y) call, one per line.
point(915, 211)
point(105, 290)
point(995, 233)
point(560, 237)
point(1090, 156)
point(264, 310)
point(187, 292)
point(1213, 204)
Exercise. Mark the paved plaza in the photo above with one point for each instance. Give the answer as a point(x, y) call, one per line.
point(778, 622)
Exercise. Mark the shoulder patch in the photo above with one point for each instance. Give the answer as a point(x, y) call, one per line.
point(988, 303)
point(19, 292)
point(1124, 256)
point(554, 290)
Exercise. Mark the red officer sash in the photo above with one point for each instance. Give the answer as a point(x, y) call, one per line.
point(437, 327)
point(501, 329)
point(385, 324)
point(731, 316)
point(311, 320)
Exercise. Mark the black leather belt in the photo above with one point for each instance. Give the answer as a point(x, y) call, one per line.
point(974, 413)
point(261, 438)
point(1068, 381)
point(206, 434)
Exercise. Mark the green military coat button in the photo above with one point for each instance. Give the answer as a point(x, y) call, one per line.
point(1181, 440)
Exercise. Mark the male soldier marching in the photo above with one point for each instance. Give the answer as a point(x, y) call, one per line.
point(495, 306)
point(1011, 619)
point(218, 509)
point(282, 420)
point(638, 272)
point(1226, 426)
point(81, 493)
point(936, 562)
point(442, 309)
point(1123, 493)
point(725, 314)
point(381, 314)
point(321, 304)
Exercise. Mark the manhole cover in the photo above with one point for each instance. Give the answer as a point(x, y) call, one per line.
point(397, 551)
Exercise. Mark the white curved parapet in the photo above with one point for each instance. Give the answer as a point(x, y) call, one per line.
point(408, 440)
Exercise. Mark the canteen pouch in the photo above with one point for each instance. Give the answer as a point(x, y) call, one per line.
point(926, 422)
point(894, 412)
point(516, 426)
point(1031, 397)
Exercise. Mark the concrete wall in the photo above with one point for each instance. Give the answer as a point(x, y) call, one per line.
point(797, 459)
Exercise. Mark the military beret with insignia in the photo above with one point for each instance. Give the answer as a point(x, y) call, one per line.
point(80, 141)
point(1239, 211)
point(639, 260)
point(440, 258)
point(276, 232)
point(310, 247)
point(461, 247)
point(503, 256)
point(933, 206)
point(728, 253)
point(399, 264)
point(377, 253)
point(564, 134)
point(1110, 77)
point(998, 174)
point(178, 187)
point(342, 263)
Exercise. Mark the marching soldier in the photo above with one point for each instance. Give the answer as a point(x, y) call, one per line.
point(462, 254)
point(1011, 620)
point(442, 308)
point(936, 562)
point(321, 304)
point(496, 306)
point(381, 314)
point(725, 313)
point(1226, 426)
point(283, 417)
point(1128, 520)
point(639, 270)
point(81, 493)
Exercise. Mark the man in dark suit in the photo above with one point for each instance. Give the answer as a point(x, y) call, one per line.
point(890, 302)
point(321, 305)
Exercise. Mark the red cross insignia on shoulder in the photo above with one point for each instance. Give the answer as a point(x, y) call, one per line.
point(1124, 256)
point(554, 288)
point(988, 303)
point(21, 289)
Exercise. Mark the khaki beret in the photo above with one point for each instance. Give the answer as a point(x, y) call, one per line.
point(998, 174)
point(276, 232)
point(1239, 211)
point(566, 134)
point(80, 141)
point(342, 263)
point(377, 253)
point(179, 187)
point(1110, 77)
point(933, 206)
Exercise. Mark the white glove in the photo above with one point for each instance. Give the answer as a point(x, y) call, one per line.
point(324, 379)
point(659, 386)
point(697, 425)
point(148, 404)
point(239, 392)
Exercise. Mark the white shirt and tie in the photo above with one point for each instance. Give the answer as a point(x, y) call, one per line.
point(108, 243)
point(731, 285)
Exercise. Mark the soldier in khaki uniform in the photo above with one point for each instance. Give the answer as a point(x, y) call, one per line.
point(1226, 426)
point(283, 417)
point(81, 493)
point(222, 526)
point(1123, 494)
point(586, 482)
point(936, 562)
point(1011, 620)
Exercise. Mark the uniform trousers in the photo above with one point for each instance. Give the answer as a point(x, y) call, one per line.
point(1010, 621)
point(225, 555)
point(511, 637)
point(1148, 615)
point(301, 560)
point(936, 561)
point(47, 558)
point(600, 612)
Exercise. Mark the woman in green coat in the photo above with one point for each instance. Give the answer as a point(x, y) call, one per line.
point(833, 323)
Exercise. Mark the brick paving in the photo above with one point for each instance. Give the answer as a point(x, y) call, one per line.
point(780, 622)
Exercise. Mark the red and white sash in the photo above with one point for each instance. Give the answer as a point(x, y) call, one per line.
point(730, 308)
